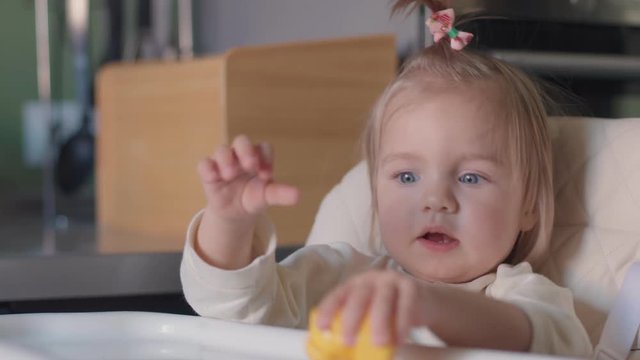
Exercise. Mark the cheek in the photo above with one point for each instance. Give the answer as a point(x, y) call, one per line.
point(396, 209)
point(498, 220)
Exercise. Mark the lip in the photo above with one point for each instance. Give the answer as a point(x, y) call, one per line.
point(435, 246)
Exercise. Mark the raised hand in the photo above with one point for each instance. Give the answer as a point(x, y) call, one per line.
point(238, 184)
point(238, 180)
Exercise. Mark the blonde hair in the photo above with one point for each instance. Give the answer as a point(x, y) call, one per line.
point(524, 117)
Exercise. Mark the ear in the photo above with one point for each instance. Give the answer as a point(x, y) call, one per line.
point(528, 220)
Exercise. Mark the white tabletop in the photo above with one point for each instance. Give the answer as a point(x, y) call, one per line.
point(144, 335)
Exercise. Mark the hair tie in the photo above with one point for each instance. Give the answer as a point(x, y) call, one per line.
point(441, 24)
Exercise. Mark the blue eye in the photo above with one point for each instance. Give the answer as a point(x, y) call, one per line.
point(470, 178)
point(407, 177)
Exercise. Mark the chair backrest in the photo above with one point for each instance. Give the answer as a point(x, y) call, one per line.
point(596, 232)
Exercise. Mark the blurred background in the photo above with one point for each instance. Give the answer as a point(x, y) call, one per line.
point(125, 31)
point(52, 254)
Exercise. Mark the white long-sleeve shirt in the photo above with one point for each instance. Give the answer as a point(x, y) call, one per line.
point(282, 294)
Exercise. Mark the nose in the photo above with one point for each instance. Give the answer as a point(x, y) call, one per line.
point(440, 198)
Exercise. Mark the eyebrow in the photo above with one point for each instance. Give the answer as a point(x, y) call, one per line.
point(493, 158)
point(399, 156)
point(483, 157)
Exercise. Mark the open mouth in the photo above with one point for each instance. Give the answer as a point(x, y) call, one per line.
point(438, 240)
point(437, 237)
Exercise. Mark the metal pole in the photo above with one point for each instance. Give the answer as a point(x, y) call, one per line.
point(185, 29)
point(44, 95)
point(422, 28)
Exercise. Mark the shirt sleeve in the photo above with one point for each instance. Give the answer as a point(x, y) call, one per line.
point(265, 292)
point(556, 327)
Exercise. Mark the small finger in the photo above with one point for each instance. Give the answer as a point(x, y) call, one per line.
point(208, 170)
point(406, 309)
point(331, 305)
point(354, 311)
point(265, 155)
point(227, 163)
point(382, 313)
point(245, 151)
point(277, 194)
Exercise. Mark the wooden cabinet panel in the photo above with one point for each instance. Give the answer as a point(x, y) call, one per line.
point(158, 119)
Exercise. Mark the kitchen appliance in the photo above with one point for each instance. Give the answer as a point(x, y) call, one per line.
point(590, 47)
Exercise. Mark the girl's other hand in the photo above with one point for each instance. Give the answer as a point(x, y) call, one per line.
point(390, 298)
point(238, 180)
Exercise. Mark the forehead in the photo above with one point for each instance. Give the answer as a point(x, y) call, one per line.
point(451, 118)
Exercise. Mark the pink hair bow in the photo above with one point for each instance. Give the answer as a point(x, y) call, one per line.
point(441, 24)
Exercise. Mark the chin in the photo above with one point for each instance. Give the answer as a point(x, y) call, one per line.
point(442, 276)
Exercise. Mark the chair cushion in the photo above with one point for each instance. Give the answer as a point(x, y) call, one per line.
point(596, 232)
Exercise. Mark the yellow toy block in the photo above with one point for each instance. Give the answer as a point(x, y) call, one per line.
point(328, 345)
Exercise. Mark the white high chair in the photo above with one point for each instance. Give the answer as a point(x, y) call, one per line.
point(596, 235)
